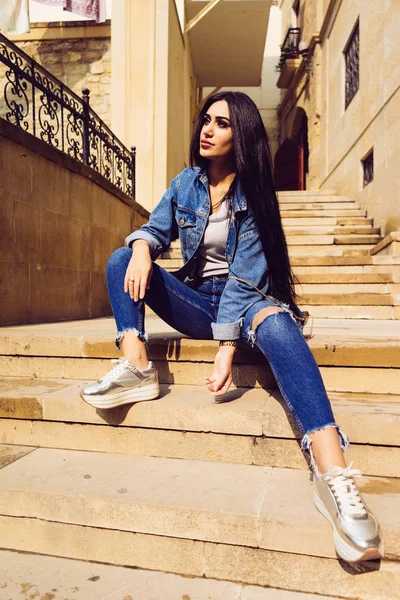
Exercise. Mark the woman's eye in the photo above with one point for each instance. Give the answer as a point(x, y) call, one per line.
point(223, 124)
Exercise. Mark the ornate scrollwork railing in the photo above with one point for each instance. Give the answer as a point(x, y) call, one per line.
point(36, 101)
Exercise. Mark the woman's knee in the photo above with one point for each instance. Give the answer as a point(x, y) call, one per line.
point(119, 259)
point(263, 314)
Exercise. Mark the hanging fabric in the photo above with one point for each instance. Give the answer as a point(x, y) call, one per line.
point(14, 16)
point(92, 9)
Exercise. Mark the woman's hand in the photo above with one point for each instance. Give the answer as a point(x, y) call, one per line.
point(221, 378)
point(139, 271)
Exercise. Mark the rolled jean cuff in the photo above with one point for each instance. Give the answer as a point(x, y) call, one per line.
point(120, 334)
point(227, 331)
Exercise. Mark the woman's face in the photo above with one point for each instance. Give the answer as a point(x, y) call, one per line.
point(216, 139)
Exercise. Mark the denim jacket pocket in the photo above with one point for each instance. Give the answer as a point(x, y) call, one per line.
point(185, 218)
point(187, 221)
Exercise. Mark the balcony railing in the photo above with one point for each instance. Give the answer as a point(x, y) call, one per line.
point(37, 102)
point(290, 47)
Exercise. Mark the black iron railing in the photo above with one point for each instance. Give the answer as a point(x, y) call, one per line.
point(290, 46)
point(36, 101)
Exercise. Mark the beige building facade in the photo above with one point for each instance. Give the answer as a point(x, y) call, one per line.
point(149, 66)
point(353, 136)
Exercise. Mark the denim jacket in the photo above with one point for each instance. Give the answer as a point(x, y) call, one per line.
point(183, 212)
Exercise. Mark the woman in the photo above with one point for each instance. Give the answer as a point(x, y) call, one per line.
point(236, 284)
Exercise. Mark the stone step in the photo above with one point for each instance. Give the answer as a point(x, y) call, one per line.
point(191, 558)
point(249, 427)
point(388, 263)
point(306, 193)
point(349, 299)
point(314, 198)
point(327, 221)
point(344, 277)
point(310, 205)
point(330, 250)
point(357, 239)
point(53, 577)
point(387, 273)
point(188, 372)
point(357, 356)
point(310, 213)
point(352, 312)
point(381, 272)
point(350, 287)
point(192, 517)
point(324, 246)
point(335, 230)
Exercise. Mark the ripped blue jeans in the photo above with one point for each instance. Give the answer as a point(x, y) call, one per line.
point(191, 310)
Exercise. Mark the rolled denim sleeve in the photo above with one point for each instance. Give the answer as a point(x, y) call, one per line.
point(161, 229)
point(250, 266)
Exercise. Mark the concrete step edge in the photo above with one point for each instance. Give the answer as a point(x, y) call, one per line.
point(84, 340)
point(83, 579)
point(191, 500)
point(207, 560)
point(366, 418)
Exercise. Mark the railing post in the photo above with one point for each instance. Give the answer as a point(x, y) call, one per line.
point(85, 140)
point(133, 154)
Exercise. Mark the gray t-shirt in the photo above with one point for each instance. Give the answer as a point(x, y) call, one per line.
point(211, 252)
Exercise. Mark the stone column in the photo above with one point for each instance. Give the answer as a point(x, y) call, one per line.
point(139, 43)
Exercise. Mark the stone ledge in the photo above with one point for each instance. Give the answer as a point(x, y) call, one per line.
point(82, 580)
point(389, 246)
point(34, 144)
point(366, 418)
point(205, 559)
point(231, 504)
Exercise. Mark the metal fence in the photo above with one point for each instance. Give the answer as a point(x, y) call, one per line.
point(290, 46)
point(34, 100)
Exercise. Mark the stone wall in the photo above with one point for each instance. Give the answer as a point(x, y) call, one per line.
point(59, 223)
point(78, 63)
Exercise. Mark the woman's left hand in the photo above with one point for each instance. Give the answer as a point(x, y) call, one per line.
point(221, 378)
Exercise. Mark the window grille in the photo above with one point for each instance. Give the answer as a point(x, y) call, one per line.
point(352, 60)
point(368, 168)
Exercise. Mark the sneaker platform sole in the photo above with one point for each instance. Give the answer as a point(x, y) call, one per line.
point(346, 551)
point(140, 394)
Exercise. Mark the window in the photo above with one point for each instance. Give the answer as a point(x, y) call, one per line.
point(368, 168)
point(352, 60)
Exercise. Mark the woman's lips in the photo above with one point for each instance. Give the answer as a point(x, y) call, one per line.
point(205, 144)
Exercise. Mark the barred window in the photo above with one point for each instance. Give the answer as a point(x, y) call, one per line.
point(368, 168)
point(352, 60)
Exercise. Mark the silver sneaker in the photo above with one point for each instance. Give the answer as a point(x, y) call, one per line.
point(355, 529)
point(122, 385)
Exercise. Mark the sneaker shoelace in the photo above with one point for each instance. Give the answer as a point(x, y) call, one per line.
point(119, 367)
point(341, 482)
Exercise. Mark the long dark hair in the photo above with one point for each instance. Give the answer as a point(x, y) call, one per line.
point(254, 170)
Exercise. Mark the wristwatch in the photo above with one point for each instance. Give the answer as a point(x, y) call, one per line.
point(233, 343)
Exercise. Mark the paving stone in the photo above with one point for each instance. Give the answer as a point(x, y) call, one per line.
point(9, 454)
point(52, 578)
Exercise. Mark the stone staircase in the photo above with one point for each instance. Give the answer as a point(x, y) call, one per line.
point(217, 495)
point(329, 239)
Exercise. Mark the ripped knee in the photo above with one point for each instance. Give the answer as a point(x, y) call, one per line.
point(263, 314)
